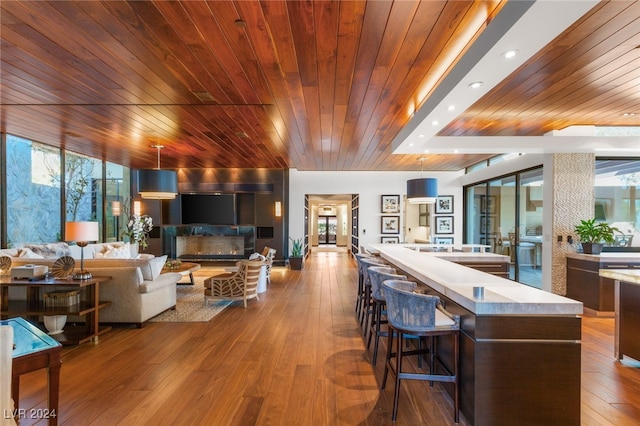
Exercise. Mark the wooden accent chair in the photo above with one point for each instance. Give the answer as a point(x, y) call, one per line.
point(240, 285)
point(420, 315)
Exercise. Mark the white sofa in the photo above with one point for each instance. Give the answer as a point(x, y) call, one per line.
point(138, 290)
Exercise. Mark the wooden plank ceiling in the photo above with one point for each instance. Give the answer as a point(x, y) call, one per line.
point(320, 85)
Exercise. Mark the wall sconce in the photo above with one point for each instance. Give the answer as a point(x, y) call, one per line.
point(116, 208)
point(137, 208)
point(278, 209)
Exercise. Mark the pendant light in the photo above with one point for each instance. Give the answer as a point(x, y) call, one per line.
point(157, 184)
point(422, 190)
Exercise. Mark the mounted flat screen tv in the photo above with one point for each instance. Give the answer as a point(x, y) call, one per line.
point(208, 209)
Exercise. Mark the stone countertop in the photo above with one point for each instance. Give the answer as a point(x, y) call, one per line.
point(501, 296)
point(607, 257)
point(627, 275)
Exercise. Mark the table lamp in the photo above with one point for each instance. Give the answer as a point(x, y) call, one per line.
point(82, 233)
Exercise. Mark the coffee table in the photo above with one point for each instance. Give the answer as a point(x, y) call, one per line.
point(184, 269)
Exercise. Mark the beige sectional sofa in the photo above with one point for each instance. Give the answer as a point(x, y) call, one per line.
point(138, 288)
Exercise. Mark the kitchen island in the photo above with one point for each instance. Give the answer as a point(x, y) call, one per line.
point(584, 283)
point(519, 346)
point(627, 311)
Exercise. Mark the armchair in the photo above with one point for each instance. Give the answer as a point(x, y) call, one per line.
point(269, 254)
point(239, 285)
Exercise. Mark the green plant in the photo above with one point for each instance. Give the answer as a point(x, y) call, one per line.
point(296, 247)
point(592, 231)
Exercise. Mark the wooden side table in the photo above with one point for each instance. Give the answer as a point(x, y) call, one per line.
point(32, 307)
point(34, 349)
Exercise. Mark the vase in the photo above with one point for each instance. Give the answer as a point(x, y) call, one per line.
point(592, 248)
point(135, 249)
point(55, 323)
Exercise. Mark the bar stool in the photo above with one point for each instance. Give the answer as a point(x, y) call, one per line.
point(360, 291)
point(367, 306)
point(378, 274)
point(421, 315)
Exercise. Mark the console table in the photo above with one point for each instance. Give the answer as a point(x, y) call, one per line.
point(32, 307)
point(34, 350)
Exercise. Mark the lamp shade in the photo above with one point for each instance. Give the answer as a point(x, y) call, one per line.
point(116, 208)
point(156, 184)
point(422, 191)
point(81, 231)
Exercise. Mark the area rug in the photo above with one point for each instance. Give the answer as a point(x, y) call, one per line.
point(190, 305)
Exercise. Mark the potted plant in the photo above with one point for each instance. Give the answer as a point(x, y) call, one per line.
point(594, 234)
point(296, 259)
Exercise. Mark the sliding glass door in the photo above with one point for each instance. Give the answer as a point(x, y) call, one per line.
point(506, 215)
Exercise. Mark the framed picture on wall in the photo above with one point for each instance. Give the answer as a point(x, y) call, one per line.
point(390, 240)
point(444, 204)
point(444, 224)
point(390, 225)
point(444, 240)
point(390, 204)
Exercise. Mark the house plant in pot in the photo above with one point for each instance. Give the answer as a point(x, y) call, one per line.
point(593, 235)
point(296, 259)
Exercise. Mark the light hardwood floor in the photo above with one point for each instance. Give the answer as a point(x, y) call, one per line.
point(295, 357)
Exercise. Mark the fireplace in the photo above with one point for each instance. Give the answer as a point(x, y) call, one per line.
point(206, 242)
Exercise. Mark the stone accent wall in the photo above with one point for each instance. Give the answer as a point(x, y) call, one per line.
point(573, 200)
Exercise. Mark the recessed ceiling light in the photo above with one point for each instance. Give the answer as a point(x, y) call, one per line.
point(455, 151)
point(421, 136)
point(426, 150)
point(475, 84)
point(434, 122)
point(451, 107)
point(410, 144)
point(510, 53)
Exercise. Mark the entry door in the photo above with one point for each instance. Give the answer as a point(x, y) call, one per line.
point(327, 227)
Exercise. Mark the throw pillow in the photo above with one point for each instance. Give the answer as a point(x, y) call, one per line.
point(121, 252)
point(27, 253)
point(155, 267)
point(50, 249)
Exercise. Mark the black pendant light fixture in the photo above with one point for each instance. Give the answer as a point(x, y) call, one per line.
point(422, 190)
point(157, 184)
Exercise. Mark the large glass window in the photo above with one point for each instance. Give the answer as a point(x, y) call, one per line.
point(117, 199)
point(34, 184)
point(83, 177)
point(33, 192)
point(617, 198)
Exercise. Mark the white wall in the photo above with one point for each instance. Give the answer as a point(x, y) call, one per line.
point(371, 186)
